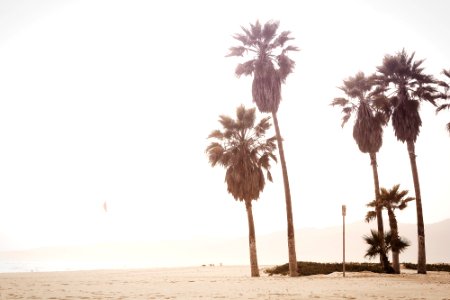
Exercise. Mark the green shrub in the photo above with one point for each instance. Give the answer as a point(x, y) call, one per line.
point(313, 268)
point(430, 267)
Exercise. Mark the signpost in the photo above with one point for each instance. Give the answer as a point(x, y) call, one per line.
point(344, 210)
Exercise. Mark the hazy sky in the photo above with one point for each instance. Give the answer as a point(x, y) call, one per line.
point(113, 100)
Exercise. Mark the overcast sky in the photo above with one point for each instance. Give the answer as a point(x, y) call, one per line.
point(113, 100)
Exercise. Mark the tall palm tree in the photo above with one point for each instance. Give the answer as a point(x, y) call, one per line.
point(372, 113)
point(376, 245)
point(445, 95)
point(391, 200)
point(241, 148)
point(410, 85)
point(269, 65)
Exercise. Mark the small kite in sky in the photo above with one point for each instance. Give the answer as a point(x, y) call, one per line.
point(105, 206)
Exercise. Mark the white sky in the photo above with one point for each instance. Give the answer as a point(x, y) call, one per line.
point(113, 101)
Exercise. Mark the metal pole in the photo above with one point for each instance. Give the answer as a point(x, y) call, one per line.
point(344, 208)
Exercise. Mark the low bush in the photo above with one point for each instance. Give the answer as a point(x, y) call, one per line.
point(313, 268)
point(430, 267)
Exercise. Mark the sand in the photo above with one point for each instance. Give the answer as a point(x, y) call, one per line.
point(219, 283)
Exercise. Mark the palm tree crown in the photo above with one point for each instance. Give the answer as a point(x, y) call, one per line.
point(372, 111)
point(241, 148)
point(390, 199)
point(375, 248)
point(269, 63)
point(410, 85)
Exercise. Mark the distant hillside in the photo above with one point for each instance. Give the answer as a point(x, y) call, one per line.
point(325, 245)
point(321, 245)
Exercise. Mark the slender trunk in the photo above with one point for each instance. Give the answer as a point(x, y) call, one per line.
point(383, 256)
point(394, 241)
point(290, 222)
point(421, 258)
point(252, 240)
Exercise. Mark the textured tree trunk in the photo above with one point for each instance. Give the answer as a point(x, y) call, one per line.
point(383, 256)
point(394, 241)
point(252, 241)
point(421, 258)
point(290, 222)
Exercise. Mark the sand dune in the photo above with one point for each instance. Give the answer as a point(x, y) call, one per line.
point(219, 283)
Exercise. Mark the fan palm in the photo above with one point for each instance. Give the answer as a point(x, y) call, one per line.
point(241, 148)
point(446, 95)
point(391, 200)
point(372, 113)
point(410, 85)
point(269, 65)
point(376, 248)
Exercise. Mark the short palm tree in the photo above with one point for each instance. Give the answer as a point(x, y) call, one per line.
point(410, 85)
point(445, 95)
point(391, 200)
point(372, 114)
point(376, 248)
point(241, 148)
point(269, 65)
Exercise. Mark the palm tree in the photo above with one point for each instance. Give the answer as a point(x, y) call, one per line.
point(376, 248)
point(372, 113)
point(410, 85)
point(445, 95)
point(244, 152)
point(392, 200)
point(269, 70)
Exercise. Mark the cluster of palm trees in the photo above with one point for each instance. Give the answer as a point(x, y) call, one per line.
point(390, 200)
point(394, 92)
point(242, 153)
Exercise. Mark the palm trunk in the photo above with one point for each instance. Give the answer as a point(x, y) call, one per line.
point(290, 223)
point(394, 241)
point(421, 258)
point(383, 256)
point(252, 241)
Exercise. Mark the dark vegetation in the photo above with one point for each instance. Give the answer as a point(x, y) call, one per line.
point(313, 268)
point(430, 267)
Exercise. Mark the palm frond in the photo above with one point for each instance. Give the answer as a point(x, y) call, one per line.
point(371, 215)
point(345, 119)
point(216, 134)
point(244, 39)
point(282, 38)
point(246, 68)
point(227, 122)
point(215, 152)
point(374, 242)
point(446, 72)
point(269, 30)
point(256, 30)
point(236, 51)
point(262, 126)
point(340, 102)
point(269, 176)
point(286, 66)
point(401, 244)
point(290, 48)
point(443, 84)
point(442, 107)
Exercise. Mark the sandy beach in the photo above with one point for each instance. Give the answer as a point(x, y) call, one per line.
point(219, 283)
